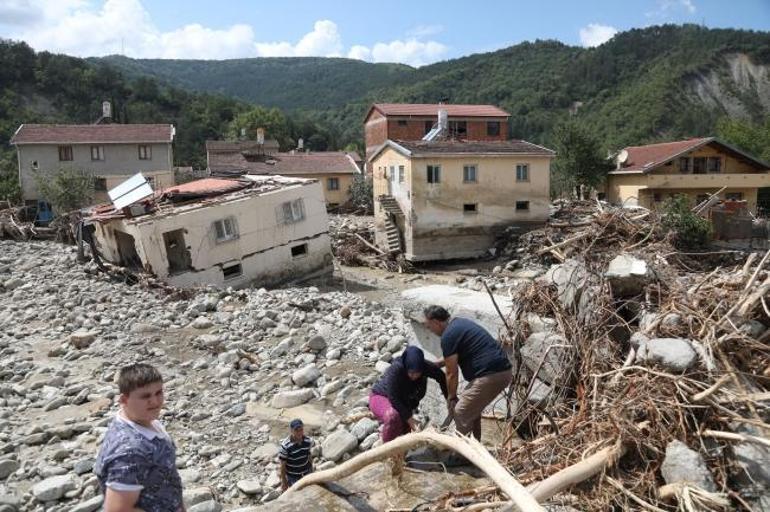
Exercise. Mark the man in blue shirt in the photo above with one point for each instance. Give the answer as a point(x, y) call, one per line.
point(295, 455)
point(468, 346)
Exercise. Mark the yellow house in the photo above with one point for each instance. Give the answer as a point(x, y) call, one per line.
point(437, 200)
point(648, 175)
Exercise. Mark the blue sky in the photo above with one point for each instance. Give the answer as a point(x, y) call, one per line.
point(413, 32)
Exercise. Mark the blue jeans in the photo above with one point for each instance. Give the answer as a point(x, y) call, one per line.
point(292, 479)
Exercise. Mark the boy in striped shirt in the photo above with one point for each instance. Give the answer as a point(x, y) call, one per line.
point(295, 457)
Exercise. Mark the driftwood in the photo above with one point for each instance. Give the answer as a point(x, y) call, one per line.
point(564, 243)
point(465, 446)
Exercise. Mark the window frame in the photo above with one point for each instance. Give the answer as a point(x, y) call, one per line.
point(229, 230)
point(523, 208)
point(454, 128)
point(701, 160)
point(401, 173)
point(100, 184)
point(99, 153)
point(475, 168)
point(497, 130)
point(731, 196)
point(717, 169)
point(433, 174)
point(66, 154)
point(428, 126)
point(291, 212)
point(526, 169)
point(401, 122)
point(147, 154)
point(227, 277)
point(470, 211)
point(302, 254)
point(685, 165)
point(332, 183)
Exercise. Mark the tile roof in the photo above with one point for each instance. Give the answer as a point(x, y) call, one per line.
point(92, 133)
point(284, 164)
point(431, 109)
point(239, 145)
point(644, 158)
point(503, 147)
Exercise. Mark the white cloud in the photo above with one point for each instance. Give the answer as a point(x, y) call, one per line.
point(425, 31)
point(101, 27)
point(595, 34)
point(667, 8)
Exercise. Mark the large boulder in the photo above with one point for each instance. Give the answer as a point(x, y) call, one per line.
point(364, 427)
point(53, 488)
point(550, 355)
point(674, 354)
point(293, 398)
point(627, 275)
point(685, 465)
point(570, 279)
point(82, 339)
point(338, 444)
point(307, 375)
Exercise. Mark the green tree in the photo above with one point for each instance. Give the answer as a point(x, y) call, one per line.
point(579, 162)
point(272, 120)
point(362, 193)
point(754, 138)
point(690, 231)
point(67, 189)
point(10, 190)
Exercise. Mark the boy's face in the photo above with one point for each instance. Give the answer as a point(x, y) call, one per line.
point(143, 405)
point(298, 433)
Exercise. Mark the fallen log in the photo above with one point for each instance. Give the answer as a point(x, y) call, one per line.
point(469, 448)
point(563, 243)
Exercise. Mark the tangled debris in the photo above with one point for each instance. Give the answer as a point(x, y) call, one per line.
point(14, 226)
point(353, 244)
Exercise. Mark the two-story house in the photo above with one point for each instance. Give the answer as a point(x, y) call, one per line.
point(448, 199)
point(111, 152)
point(648, 175)
point(410, 121)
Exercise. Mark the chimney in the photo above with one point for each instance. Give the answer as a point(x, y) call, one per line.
point(106, 110)
point(300, 144)
point(443, 120)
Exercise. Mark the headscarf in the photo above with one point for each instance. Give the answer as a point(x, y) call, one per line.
point(414, 359)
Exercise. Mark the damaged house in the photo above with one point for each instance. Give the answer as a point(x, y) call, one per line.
point(261, 230)
point(447, 199)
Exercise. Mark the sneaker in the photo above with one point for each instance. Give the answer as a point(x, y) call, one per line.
point(455, 460)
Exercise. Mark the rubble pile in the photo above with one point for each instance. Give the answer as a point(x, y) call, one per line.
point(13, 226)
point(238, 366)
point(353, 244)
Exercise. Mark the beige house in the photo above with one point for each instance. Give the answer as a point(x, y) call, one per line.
point(336, 170)
point(648, 175)
point(448, 199)
point(111, 152)
point(261, 230)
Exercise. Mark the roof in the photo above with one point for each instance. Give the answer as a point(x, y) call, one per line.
point(643, 159)
point(93, 133)
point(463, 147)
point(239, 145)
point(431, 109)
point(285, 164)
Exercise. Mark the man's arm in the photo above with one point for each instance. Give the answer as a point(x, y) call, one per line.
point(452, 376)
point(282, 472)
point(121, 501)
point(434, 372)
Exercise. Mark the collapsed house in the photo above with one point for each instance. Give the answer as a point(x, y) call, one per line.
point(260, 230)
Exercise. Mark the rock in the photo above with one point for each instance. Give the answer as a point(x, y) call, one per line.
point(83, 466)
point(282, 348)
point(196, 495)
point(540, 324)
point(381, 366)
point(53, 488)
point(754, 459)
point(266, 451)
point(685, 465)
point(345, 312)
point(570, 279)
point(675, 354)
point(249, 487)
point(331, 387)
point(671, 320)
point(395, 343)
point(236, 410)
point(189, 475)
point(557, 367)
point(316, 343)
point(334, 354)
point(364, 427)
point(13, 283)
point(206, 506)
point(55, 404)
point(89, 505)
point(627, 275)
point(307, 375)
point(7, 467)
point(82, 339)
point(201, 323)
point(752, 328)
point(338, 444)
point(285, 399)
point(367, 443)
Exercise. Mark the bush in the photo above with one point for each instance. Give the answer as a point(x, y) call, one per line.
point(690, 230)
point(66, 190)
point(362, 193)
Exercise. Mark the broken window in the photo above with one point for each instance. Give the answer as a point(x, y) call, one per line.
point(231, 271)
point(522, 205)
point(226, 229)
point(493, 128)
point(332, 184)
point(522, 172)
point(458, 128)
point(291, 212)
point(714, 164)
point(145, 152)
point(434, 174)
point(401, 172)
point(100, 184)
point(298, 250)
point(470, 208)
point(699, 165)
point(428, 127)
point(469, 174)
point(97, 152)
point(684, 165)
point(734, 196)
point(65, 153)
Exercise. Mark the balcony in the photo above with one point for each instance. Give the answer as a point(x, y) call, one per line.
point(708, 180)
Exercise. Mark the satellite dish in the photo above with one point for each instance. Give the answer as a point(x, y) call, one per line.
point(622, 156)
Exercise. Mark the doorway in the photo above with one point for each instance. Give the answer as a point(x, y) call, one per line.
point(176, 251)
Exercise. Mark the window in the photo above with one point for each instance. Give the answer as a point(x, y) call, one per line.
point(226, 229)
point(493, 128)
point(145, 152)
point(434, 174)
point(65, 153)
point(332, 184)
point(657, 197)
point(469, 174)
point(402, 122)
point(522, 205)
point(428, 127)
point(100, 184)
point(458, 128)
point(522, 172)
point(684, 165)
point(714, 164)
point(734, 196)
point(97, 152)
point(699, 165)
point(401, 172)
point(232, 271)
point(299, 250)
point(291, 212)
point(470, 208)
point(392, 174)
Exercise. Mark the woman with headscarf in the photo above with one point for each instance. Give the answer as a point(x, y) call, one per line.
point(398, 392)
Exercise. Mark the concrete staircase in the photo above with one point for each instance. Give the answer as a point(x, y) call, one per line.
point(390, 205)
point(393, 236)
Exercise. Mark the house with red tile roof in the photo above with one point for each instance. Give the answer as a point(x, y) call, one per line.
point(648, 175)
point(111, 152)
